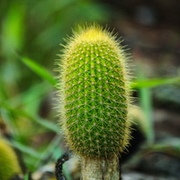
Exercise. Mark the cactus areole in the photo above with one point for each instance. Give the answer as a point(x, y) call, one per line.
point(94, 94)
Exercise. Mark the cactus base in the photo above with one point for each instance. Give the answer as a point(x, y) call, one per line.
point(98, 169)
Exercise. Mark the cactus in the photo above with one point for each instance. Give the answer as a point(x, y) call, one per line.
point(9, 166)
point(95, 94)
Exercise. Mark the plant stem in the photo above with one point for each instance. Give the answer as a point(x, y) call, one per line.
point(100, 169)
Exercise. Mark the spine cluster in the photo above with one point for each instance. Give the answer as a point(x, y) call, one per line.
point(95, 94)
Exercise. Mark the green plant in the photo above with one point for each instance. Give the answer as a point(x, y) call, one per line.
point(95, 99)
point(9, 165)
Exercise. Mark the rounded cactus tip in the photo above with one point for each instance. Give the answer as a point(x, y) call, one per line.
point(95, 92)
point(9, 165)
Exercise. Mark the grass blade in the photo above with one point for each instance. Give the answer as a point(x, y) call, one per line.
point(145, 100)
point(25, 149)
point(43, 122)
point(153, 82)
point(38, 69)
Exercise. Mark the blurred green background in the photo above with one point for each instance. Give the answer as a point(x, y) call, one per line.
point(30, 34)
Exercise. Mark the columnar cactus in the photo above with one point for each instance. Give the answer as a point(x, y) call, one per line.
point(9, 166)
point(95, 94)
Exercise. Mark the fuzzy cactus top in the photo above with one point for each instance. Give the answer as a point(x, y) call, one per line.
point(9, 165)
point(94, 93)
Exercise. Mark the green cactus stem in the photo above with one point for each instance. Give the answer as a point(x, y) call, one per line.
point(94, 92)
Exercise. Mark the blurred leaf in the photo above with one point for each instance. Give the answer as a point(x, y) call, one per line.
point(170, 146)
point(153, 82)
point(25, 149)
point(8, 119)
point(34, 93)
point(13, 29)
point(26, 177)
point(43, 122)
point(49, 151)
point(146, 105)
point(137, 116)
point(38, 69)
point(148, 83)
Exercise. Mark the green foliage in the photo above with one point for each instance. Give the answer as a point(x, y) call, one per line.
point(42, 72)
point(148, 83)
point(169, 146)
point(35, 29)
